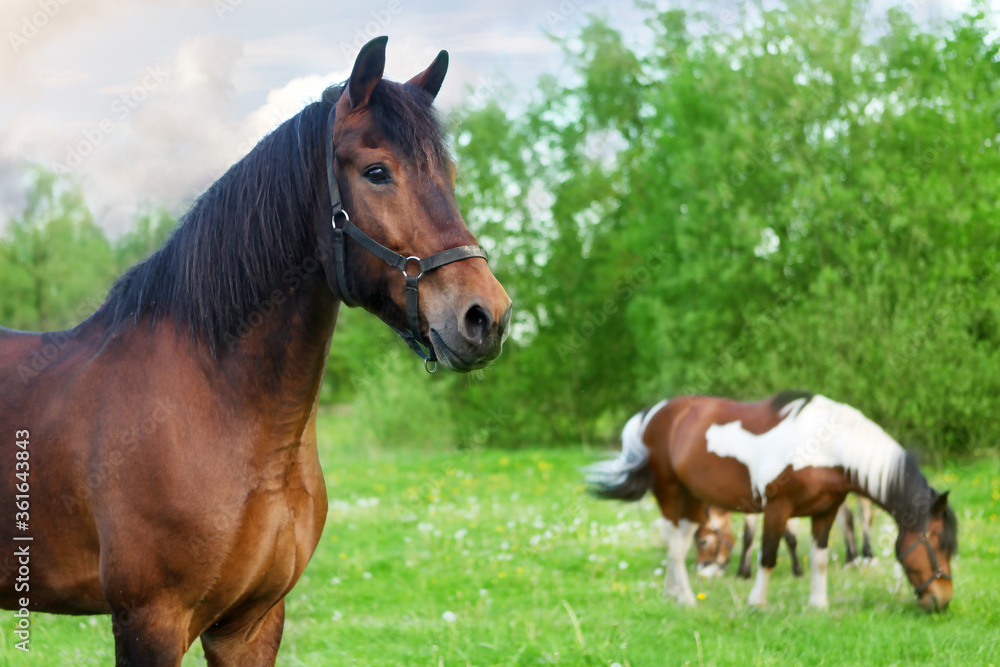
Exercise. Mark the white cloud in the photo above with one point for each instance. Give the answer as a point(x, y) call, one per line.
point(32, 29)
point(283, 103)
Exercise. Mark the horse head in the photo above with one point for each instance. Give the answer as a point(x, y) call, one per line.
point(925, 547)
point(405, 235)
point(714, 542)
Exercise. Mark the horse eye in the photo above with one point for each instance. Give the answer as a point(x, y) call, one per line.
point(377, 174)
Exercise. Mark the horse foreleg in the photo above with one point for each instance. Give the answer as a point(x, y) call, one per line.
point(846, 518)
point(684, 514)
point(775, 518)
point(792, 541)
point(866, 526)
point(749, 530)
point(250, 642)
point(819, 556)
point(148, 635)
point(678, 537)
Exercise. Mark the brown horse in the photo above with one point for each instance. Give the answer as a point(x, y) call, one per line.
point(795, 454)
point(714, 540)
point(162, 454)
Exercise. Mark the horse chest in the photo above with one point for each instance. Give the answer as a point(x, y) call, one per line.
point(278, 529)
point(288, 514)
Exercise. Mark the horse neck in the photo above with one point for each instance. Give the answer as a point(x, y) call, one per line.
point(280, 355)
point(907, 497)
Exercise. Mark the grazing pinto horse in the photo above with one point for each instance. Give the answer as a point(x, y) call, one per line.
point(170, 439)
point(714, 540)
point(796, 454)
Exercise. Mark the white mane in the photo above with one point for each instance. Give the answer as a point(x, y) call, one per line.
point(815, 433)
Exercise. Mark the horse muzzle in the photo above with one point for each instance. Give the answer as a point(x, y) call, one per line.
point(937, 597)
point(471, 338)
point(710, 569)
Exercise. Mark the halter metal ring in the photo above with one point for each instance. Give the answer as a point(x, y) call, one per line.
point(409, 259)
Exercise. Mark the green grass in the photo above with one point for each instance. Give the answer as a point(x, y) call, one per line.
point(537, 573)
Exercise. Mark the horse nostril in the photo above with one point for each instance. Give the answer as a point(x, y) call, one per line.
point(476, 324)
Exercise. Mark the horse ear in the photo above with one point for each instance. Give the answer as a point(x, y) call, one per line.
point(367, 72)
point(432, 77)
point(937, 509)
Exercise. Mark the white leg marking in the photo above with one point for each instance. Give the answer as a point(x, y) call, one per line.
point(683, 538)
point(678, 540)
point(819, 559)
point(667, 530)
point(758, 594)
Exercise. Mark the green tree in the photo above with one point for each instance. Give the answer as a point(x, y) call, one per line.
point(57, 263)
point(823, 196)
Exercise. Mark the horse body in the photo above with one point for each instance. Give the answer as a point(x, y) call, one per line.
point(794, 454)
point(215, 475)
point(174, 476)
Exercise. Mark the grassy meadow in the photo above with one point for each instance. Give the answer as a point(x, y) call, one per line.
point(498, 558)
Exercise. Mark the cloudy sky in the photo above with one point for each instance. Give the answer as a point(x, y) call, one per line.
point(149, 101)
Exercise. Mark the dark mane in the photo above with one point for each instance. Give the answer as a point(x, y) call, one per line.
point(782, 399)
point(257, 222)
point(949, 535)
point(910, 498)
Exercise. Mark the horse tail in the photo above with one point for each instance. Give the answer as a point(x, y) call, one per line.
point(628, 476)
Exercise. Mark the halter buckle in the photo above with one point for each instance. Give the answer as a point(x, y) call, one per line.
point(431, 365)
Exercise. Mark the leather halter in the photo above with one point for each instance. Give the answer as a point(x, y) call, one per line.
point(938, 572)
point(394, 259)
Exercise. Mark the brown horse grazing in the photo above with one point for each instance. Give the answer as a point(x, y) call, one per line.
point(714, 540)
point(796, 454)
point(163, 453)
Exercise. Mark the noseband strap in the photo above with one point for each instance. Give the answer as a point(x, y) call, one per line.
point(342, 227)
point(938, 573)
